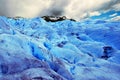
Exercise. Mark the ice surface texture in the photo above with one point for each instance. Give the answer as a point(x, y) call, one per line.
point(33, 49)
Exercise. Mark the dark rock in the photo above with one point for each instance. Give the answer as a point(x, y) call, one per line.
point(61, 44)
point(104, 57)
point(107, 52)
point(107, 49)
point(72, 20)
point(55, 19)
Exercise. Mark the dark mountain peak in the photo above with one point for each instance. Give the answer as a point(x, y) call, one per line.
point(55, 19)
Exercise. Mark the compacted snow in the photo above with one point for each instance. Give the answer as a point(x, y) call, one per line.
point(33, 49)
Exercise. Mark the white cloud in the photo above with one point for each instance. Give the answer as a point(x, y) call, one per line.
point(77, 8)
point(117, 18)
point(95, 13)
point(113, 15)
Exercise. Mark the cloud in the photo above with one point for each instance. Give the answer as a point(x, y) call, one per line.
point(117, 18)
point(56, 8)
point(77, 9)
point(95, 13)
point(116, 6)
point(113, 15)
point(24, 8)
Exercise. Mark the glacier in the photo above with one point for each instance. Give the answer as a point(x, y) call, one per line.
point(34, 49)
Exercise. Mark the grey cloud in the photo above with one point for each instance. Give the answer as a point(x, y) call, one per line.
point(109, 5)
point(3, 8)
point(56, 8)
point(24, 8)
point(6, 8)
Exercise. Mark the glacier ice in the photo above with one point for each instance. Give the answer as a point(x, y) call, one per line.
point(33, 49)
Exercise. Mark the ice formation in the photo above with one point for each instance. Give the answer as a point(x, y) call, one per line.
point(33, 49)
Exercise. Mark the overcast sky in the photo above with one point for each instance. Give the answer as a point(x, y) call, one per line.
point(77, 9)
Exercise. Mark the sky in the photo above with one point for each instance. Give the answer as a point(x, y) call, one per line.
point(76, 9)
